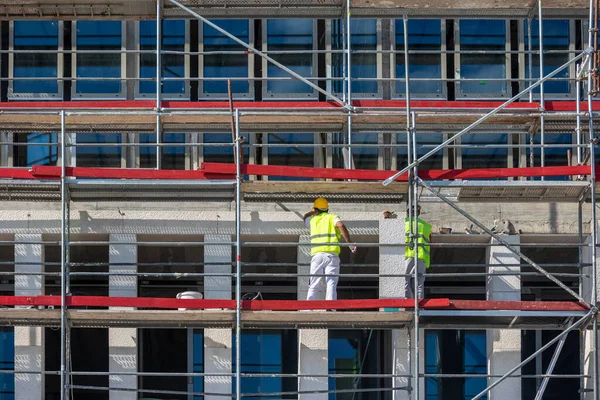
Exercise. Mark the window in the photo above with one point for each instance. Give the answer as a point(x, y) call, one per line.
point(99, 150)
point(364, 65)
point(102, 41)
point(553, 156)
point(237, 64)
point(285, 152)
point(262, 353)
point(7, 363)
point(172, 157)
point(295, 36)
point(198, 362)
point(354, 352)
point(36, 36)
point(425, 143)
point(425, 69)
point(223, 153)
point(362, 157)
point(484, 157)
point(556, 41)
point(174, 38)
point(455, 352)
point(39, 148)
point(486, 73)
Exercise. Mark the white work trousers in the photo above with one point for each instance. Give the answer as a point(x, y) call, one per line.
point(327, 264)
point(409, 282)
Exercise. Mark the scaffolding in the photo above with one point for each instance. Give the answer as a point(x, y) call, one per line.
point(225, 182)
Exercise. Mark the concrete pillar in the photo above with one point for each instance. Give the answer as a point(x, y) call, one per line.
point(217, 342)
point(313, 359)
point(217, 360)
point(504, 345)
point(304, 268)
point(29, 341)
point(219, 258)
point(122, 342)
point(391, 262)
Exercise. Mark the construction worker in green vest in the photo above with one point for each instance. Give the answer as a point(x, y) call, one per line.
point(423, 231)
point(325, 232)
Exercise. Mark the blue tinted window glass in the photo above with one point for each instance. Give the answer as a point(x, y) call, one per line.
point(556, 38)
point(107, 155)
point(474, 362)
point(286, 154)
point(483, 35)
point(432, 365)
point(344, 358)
point(104, 36)
point(488, 157)
point(364, 157)
point(261, 354)
point(42, 149)
point(423, 35)
point(173, 39)
point(425, 142)
point(7, 363)
point(294, 35)
point(172, 157)
point(35, 35)
point(226, 65)
point(554, 156)
point(198, 363)
point(224, 153)
point(363, 65)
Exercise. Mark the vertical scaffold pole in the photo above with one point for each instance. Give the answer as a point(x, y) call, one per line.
point(594, 222)
point(349, 82)
point(415, 213)
point(530, 57)
point(578, 111)
point(542, 106)
point(158, 80)
point(238, 257)
point(64, 394)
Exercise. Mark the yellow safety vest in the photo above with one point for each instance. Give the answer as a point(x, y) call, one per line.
point(323, 231)
point(424, 232)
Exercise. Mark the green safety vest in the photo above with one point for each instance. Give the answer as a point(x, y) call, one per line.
point(323, 231)
point(424, 231)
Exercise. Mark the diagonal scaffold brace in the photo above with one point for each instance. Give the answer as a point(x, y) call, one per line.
point(499, 238)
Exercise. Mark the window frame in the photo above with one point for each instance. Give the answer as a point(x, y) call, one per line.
point(123, 147)
point(460, 95)
point(523, 63)
point(59, 65)
point(379, 61)
point(458, 151)
point(265, 151)
point(315, 66)
point(186, 65)
point(250, 95)
point(99, 96)
point(443, 65)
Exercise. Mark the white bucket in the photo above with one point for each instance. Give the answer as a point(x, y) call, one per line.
point(189, 295)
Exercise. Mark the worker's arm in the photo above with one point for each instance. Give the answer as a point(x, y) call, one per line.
point(345, 234)
point(309, 214)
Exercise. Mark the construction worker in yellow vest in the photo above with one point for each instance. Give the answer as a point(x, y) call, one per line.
point(325, 232)
point(423, 230)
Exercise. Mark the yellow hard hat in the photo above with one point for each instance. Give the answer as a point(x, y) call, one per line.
point(321, 204)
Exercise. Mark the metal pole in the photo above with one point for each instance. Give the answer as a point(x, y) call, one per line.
point(542, 389)
point(534, 355)
point(486, 116)
point(238, 258)
point(263, 55)
point(530, 56)
point(348, 52)
point(158, 79)
point(63, 263)
point(344, 67)
point(415, 214)
point(499, 238)
point(594, 221)
point(578, 111)
point(542, 106)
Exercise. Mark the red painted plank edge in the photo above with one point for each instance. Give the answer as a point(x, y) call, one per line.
point(378, 175)
point(291, 305)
